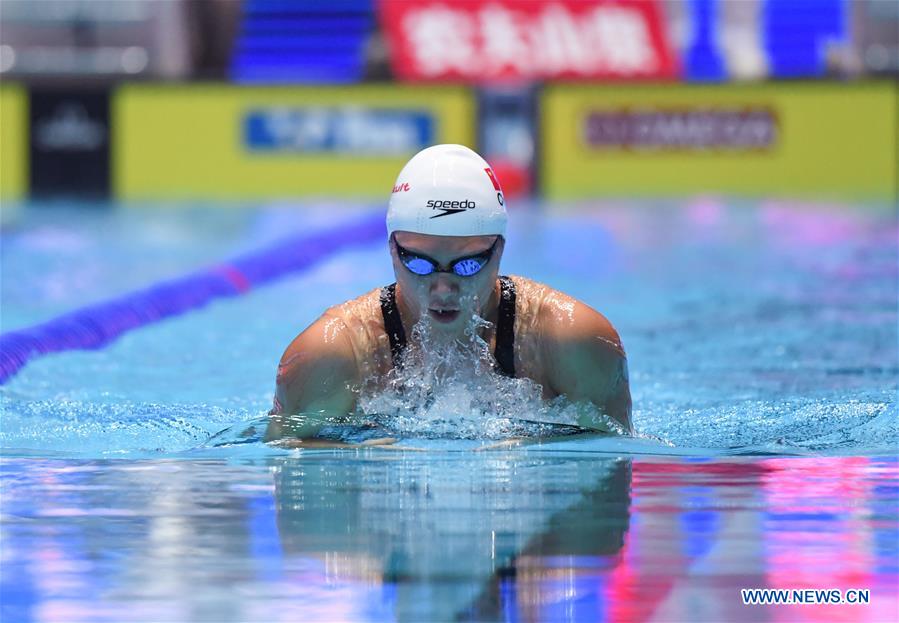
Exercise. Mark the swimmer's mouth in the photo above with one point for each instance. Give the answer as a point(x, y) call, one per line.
point(444, 315)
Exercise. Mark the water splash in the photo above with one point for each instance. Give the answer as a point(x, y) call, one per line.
point(451, 389)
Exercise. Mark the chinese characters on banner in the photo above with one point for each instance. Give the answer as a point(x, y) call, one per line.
point(476, 40)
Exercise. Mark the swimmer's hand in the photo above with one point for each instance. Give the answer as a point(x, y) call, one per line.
point(299, 431)
point(282, 426)
point(589, 417)
point(327, 443)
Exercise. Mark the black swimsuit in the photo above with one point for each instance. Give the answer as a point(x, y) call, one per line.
point(505, 326)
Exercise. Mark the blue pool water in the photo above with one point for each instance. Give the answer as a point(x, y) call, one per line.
point(762, 342)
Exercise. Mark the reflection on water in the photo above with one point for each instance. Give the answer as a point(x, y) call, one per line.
point(444, 534)
point(388, 535)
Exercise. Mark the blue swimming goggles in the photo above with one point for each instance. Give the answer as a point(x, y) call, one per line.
point(464, 266)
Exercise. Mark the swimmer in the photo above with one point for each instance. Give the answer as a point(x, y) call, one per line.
point(446, 224)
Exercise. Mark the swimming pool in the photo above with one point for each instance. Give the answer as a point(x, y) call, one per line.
point(762, 340)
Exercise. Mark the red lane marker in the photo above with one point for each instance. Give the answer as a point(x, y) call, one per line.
point(235, 277)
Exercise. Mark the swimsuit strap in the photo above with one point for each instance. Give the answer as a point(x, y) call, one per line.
point(393, 324)
point(505, 329)
point(505, 326)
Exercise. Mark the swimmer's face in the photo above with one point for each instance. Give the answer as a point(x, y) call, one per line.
point(447, 298)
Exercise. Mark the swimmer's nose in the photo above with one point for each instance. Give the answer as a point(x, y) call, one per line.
point(444, 286)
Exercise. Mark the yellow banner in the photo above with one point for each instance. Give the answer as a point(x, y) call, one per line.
point(232, 143)
point(814, 140)
point(13, 142)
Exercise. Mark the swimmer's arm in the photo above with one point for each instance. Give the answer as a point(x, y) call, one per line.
point(589, 365)
point(315, 376)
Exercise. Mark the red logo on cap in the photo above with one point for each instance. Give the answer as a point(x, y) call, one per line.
point(493, 179)
point(401, 188)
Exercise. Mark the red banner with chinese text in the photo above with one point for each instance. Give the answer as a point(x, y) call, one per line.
point(477, 40)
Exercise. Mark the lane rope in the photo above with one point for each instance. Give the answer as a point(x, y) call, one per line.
point(95, 326)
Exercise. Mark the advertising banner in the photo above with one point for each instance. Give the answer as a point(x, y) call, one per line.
point(69, 143)
point(807, 140)
point(232, 143)
point(13, 142)
point(720, 40)
point(471, 40)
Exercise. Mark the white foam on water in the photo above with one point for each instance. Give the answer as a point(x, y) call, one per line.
point(451, 389)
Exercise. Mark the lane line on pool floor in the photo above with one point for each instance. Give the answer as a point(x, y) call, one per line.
point(95, 326)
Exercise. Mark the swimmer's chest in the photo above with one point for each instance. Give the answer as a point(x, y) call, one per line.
point(372, 345)
point(526, 348)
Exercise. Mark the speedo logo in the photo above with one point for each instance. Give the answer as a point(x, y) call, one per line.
point(450, 207)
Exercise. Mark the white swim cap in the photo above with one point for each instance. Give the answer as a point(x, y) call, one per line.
point(447, 190)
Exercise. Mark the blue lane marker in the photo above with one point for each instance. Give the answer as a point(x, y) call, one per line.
point(97, 325)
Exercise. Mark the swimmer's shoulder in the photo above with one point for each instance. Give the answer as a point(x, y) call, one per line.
point(332, 333)
point(320, 365)
point(560, 318)
point(576, 344)
point(361, 308)
point(321, 355)
point(581, 352)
